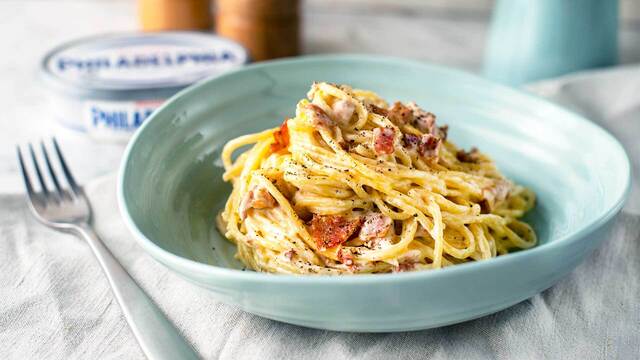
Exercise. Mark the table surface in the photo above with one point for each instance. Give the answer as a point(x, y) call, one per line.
point(29, 28)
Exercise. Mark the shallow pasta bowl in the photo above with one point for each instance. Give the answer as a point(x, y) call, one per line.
point(170, 189)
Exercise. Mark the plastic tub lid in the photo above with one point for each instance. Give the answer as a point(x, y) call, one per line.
point(138, 65)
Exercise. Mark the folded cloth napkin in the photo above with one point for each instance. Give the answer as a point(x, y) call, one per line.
point(56, 304)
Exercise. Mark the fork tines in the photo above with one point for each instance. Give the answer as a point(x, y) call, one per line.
point(44, 188)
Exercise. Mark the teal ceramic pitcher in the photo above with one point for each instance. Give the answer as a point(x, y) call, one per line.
point(537, 39)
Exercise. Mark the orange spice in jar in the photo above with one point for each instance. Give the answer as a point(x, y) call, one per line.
point(267, 28)
point(157, 15)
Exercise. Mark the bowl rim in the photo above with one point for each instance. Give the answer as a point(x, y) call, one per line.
point(166, 257)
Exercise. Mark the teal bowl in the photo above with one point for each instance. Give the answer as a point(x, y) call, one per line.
point(170, 189)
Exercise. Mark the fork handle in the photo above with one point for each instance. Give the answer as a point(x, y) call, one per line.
point(157, 337)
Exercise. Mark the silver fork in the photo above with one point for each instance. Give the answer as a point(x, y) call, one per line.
point(67, 209)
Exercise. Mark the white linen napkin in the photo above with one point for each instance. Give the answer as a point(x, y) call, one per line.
point(56, 304)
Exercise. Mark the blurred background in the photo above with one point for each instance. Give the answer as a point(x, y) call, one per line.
point(512, 41)
point(451, 32)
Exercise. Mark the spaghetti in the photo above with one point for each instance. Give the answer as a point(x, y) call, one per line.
point(353, 185)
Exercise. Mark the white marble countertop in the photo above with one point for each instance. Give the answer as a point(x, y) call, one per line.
point(29, 28)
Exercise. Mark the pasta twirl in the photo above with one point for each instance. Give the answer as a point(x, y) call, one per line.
point(352, 185)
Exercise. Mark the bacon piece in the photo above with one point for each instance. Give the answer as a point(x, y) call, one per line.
point(318, 116)
point(411, 141)
point(410, 256)
point(376, 225)
point(400, 114)
point(404, 267)
point(345, 257)
point(280, 138)
point(383, 140)
point(495, 194)
point(408, 260)
point(471, 156)
point(332, 230)
point(256, 198)
point(426, 122)
point(423, 120)
point(377, 110)
point(429, 146)
point(289, 254)
point(262, 199)
point(343, 111)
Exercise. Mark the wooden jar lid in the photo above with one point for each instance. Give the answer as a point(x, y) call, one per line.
point(156, 15)
point(267, 28)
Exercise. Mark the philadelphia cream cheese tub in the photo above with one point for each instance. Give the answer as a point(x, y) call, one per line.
point(106, 86)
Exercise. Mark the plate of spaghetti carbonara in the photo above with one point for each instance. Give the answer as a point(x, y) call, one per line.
point(353, 184)
point(364, 193)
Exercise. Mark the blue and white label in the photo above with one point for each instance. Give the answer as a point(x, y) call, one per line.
point(116, 120)
point(169, 58)
point(146, 60)
point(97, 84)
